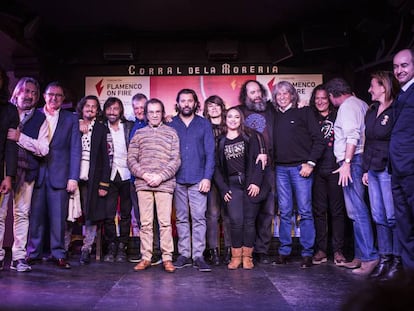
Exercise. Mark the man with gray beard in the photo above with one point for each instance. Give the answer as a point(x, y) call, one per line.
point(259, 115)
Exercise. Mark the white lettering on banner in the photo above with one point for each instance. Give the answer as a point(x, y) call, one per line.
point(224, 69)
point(302, 84)
point(131, 70)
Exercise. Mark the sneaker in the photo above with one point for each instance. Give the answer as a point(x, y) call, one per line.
point(339, 259)
point(20, 265)
point(155, 260)
point(201, 265)
point(135, 258)
point(306, 262)
point(182, 262)
point(320, 257)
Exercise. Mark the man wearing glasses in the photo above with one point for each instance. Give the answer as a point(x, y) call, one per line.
point(58, 177)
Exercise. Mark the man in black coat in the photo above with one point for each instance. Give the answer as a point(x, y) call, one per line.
point(94, 170)
point(9, 118)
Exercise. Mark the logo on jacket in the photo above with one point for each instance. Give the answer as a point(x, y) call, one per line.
point(385, 119)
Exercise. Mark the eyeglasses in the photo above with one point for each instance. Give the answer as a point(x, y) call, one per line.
point(54, 95)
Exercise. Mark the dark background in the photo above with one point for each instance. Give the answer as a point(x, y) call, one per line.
point(67, 40)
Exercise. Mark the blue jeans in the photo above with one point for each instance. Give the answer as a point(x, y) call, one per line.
point(382, 209)
point(358, 212)
point(288, 181)
point(191, 238)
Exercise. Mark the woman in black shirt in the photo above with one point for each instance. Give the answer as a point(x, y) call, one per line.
point(241, 184)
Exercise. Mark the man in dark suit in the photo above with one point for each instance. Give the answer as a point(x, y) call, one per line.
point(119, 185)
point(402, 155)
point(58, 176)
point(9, 118)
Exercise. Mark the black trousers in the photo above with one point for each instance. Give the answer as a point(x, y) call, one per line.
point(328, 203)
point(403, 193)
point(242, 214)
point(265, 217)
point(118, 189)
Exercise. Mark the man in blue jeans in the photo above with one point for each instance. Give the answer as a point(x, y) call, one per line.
point(349, 131)
point(193, 179)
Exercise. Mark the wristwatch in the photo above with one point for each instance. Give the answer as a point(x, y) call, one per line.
point(347, 160)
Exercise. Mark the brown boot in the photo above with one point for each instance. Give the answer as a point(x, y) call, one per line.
point(247, 258)
point(236, 258)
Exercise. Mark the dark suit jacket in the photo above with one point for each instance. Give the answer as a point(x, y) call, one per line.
point(9, 118)
point(63, 161)
point(99, 172)
point(402, 136)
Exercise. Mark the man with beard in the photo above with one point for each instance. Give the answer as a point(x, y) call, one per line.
point(119, 185)
point(94, 172)
point(58, 177)
point(193, 179)
point(33, 141)
point(402, 155)
point(9, 118)
point(259, 115)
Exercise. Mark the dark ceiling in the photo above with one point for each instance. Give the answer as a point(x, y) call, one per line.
point(290, 33)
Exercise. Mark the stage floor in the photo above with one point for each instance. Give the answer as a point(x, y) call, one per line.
point(116, 286)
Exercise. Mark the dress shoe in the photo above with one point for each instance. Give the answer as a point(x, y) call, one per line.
point(382, 268)
point(395, 270)
point(354, 264)
point(320, 257)
point(306, 262)
point(142, 265)
point(62, 263)
point(280, 260)
point(339, 259)
point(366, 267)
point(263, 259)
point(168, 266)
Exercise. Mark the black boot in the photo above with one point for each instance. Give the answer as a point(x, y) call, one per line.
point(121, 256)
point(85, 257)
point(214, 257)
point(382, 267)
point(110, 255)
point(395, 270)
point(227, 255)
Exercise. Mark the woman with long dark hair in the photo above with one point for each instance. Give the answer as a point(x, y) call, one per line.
point(241, 184)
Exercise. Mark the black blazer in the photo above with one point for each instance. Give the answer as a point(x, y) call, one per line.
point(99, 173)
point(9, 118)
point(254, 173)
point(402, 135)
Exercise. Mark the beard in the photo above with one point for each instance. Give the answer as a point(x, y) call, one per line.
point(256, 106)
point(186, 111)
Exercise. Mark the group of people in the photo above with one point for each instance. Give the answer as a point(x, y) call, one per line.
point(229, 167)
